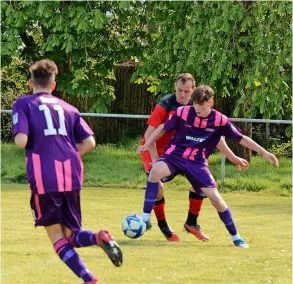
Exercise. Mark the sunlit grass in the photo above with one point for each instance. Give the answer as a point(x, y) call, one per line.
point(117, 166)
point(263, 220)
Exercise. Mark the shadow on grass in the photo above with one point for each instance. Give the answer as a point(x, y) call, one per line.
point(151, 243)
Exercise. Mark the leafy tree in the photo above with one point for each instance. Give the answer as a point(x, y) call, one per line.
point(14, 84)
point(242, 49)
point(86, 39)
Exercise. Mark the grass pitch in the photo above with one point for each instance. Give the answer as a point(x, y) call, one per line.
point(263, 220)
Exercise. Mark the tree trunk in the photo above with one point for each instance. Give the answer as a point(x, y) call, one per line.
point(268, 131)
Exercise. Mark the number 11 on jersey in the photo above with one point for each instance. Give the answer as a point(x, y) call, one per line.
point(50, 130)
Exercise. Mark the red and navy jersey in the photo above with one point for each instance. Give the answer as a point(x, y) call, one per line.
point(196, 138)
point(53, 127)
point(163, 111)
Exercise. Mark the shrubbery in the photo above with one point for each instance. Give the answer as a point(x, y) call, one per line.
point(283, 149)
point(14, 85)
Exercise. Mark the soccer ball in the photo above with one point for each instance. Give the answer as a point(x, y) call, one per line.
point(133, 227)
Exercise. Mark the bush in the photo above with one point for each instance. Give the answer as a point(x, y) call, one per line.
point(283, 149)
point(14, 85)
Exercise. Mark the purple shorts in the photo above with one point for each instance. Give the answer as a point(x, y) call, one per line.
point(198, 174)
point(57, 208)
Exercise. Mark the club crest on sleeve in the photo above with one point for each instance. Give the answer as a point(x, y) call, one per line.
point(15, 118)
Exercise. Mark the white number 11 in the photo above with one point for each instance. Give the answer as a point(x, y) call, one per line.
point(50, 127)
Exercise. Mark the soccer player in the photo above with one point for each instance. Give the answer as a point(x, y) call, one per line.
point(165, 108)
point(198, 131)
point(54, 137)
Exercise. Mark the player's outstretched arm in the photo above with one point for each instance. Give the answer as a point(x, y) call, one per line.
point(241, 164)
point(20, 140)
point(160, 131)
point(86, 145)
point(152, 148)
point(252, 145)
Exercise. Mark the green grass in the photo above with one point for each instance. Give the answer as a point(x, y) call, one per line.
point(263, 220)
point(114, 178)
point(117, 166)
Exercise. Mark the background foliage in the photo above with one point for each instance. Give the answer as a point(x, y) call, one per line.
point(86, 39)
point(242, 49)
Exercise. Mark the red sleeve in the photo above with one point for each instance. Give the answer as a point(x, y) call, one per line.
point(158, 116)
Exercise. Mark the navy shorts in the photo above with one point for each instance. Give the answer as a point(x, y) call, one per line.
point(57, 208)
point(198, 174)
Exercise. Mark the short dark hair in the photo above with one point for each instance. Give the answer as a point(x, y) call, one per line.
point(202, 94)
point(43, 72)
point(184, 77)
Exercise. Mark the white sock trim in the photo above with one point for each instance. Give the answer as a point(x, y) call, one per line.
point(146, 217)
point(236, 237)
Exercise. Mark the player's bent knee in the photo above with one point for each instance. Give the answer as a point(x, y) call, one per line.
point(215, 197)
point(210, 192)
point(154, 176)
point(218, 203)
point(157, 174)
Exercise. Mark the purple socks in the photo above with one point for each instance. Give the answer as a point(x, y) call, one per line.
point(151, 193)
point(69, 256)
point(83, 238)
point(227, 219)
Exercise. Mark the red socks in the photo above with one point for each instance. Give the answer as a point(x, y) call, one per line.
point(159, 209)
point(195, 205)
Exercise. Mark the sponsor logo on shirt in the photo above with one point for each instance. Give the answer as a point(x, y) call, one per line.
point(186, 125)
point(210, 129)
point(195, 139)
point(15, 118)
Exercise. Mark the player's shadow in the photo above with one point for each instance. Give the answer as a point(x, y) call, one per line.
point(150, 243)
point(198, 245)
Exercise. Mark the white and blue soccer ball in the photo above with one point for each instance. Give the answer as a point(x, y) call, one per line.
point(133, 227)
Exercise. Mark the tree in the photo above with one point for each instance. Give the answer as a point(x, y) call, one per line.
point(86, 39)
point(232, 46)
point(242, 49)
point(13, 85)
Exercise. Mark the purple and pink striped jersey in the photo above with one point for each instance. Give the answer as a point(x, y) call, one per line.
point(54, 127)
point(196, 138)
